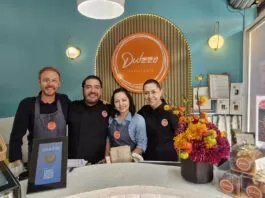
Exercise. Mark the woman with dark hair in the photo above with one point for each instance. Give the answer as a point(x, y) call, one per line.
point(160, 124)
point(126, 127)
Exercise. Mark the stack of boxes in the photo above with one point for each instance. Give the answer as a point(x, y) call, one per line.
point(243, 179)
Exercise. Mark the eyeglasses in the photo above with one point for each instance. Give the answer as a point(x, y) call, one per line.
point(50, 81)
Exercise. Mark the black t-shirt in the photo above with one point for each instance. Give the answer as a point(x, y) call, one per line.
point(160, 129)
point(88, 127)
point(24, 120)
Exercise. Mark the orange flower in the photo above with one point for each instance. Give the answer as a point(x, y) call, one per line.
point(181, 120)
point(182, 109)
point(195, 118)
point(203, 115)
point(188, 145)
point(189, 150)
point(202, 131)
point(223, 134)
point(188, 119)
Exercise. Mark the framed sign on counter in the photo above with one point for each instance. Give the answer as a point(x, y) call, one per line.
point(48, 164)
point(219, 86)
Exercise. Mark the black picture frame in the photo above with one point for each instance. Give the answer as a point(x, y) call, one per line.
point(34, 166)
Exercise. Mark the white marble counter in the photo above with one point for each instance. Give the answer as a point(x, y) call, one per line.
point(125, 175)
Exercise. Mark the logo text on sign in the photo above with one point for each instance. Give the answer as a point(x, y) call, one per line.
point(129, 59)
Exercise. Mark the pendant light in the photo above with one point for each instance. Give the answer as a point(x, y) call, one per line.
point(101, 9)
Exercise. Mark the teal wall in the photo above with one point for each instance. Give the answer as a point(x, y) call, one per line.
point(35, 33)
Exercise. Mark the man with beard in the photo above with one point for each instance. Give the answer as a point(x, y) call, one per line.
point(44, 116)
point(88, 123)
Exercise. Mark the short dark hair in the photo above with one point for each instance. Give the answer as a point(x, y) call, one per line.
point(48, 68)
point(152, 81)
point(132, 108)
point(91, 77)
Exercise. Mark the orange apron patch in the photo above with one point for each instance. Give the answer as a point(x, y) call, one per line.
point(117, 135)
point(164, 122)
point(51, 125)
point(104, 114)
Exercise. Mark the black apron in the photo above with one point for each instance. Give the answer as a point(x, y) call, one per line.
point(48, 125)
point(119, 135)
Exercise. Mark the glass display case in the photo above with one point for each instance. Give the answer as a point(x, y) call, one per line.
point(9, 185)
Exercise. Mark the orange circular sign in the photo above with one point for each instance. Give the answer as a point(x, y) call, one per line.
point(226, 185)
point(117, 135)
point(51, 125)
point(244, 164)
point(139, 57)
point(253, 191)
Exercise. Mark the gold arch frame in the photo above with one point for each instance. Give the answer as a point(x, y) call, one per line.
point(177, 84)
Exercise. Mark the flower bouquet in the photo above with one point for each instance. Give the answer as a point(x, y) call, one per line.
point(198, 141)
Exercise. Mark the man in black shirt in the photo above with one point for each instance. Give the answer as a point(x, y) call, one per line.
point(88, 123)
point(43, 116)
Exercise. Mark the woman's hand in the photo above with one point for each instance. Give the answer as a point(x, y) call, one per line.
point(138, 151)
point(137, 158)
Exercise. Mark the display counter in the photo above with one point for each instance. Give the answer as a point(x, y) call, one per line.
point(125, 175)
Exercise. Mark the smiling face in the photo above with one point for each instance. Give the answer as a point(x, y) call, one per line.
point(49, 82)
point(152, 95)
point(121, 103)
point(92, 91)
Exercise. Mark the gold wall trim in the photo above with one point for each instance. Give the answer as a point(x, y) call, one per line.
point(178, 81)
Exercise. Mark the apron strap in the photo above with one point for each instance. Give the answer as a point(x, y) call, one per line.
point(37, 107)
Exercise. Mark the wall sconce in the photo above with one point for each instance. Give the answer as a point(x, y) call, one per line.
point(216, 41)
point(72, 52)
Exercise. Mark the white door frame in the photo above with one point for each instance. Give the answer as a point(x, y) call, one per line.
point(260, 20)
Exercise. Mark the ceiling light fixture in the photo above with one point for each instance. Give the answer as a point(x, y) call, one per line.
point(101, 9)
